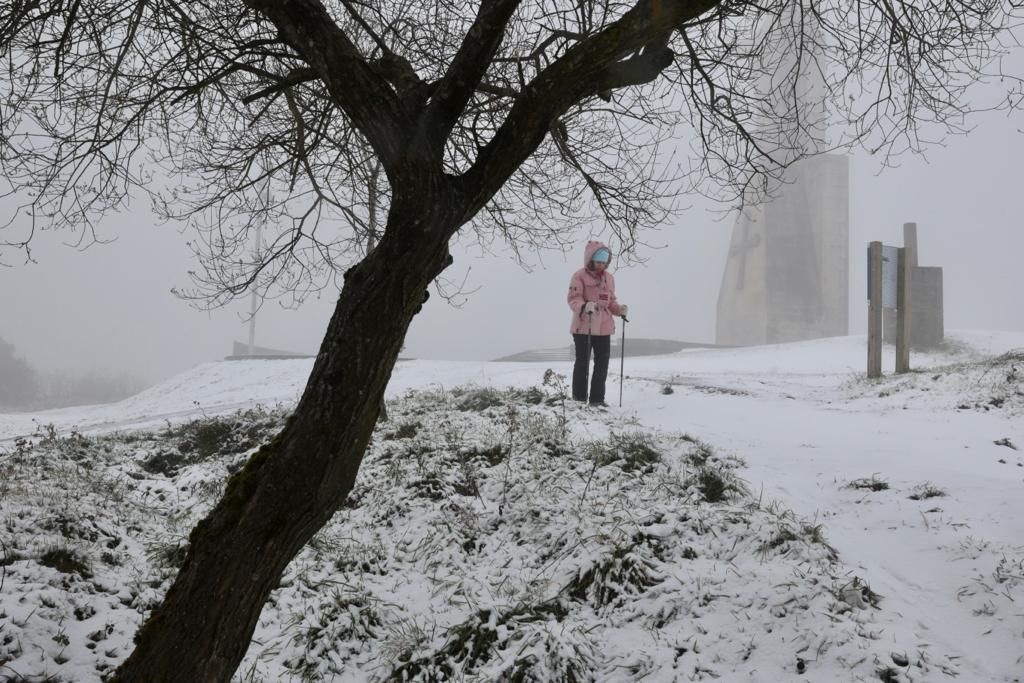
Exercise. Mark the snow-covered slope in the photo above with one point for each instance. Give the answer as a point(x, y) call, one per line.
point(914, 481)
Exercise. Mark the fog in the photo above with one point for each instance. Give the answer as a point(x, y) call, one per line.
point(109, 308)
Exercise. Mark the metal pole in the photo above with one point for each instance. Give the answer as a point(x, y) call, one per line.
point(590, 332)
point(622, 359)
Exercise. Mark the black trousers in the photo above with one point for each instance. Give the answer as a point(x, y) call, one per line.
point(601, 345)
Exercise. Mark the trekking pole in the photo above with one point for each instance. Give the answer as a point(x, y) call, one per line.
point(590, 332)
point(622, 359)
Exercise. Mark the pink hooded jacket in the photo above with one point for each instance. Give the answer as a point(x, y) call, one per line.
point(588, 285)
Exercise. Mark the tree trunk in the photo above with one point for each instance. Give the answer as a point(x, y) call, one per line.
point(292, 486)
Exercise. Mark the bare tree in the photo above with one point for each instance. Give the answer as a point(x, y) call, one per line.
point(514, 119)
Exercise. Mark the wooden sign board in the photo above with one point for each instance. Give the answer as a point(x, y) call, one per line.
point(890, 275)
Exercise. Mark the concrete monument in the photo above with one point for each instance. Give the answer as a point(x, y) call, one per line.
point(787, 273)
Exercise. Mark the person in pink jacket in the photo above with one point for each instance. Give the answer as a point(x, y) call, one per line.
point(593, 303)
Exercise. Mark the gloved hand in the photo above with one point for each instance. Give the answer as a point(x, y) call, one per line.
point(623, 310)
point(590, 307)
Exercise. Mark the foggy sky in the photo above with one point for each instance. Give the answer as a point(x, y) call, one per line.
point(109, 308)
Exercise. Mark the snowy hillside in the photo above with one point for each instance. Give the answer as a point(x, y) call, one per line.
point(748, 515)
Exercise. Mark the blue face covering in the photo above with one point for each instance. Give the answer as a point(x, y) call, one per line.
point(601, 256)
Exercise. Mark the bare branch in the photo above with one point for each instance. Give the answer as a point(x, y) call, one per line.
point(362, 94)
point(585, 69)
point(296, 77)
point(467, 68)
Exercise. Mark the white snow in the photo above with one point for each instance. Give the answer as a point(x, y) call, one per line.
point(801, 417)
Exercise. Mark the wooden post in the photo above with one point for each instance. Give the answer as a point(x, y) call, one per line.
point(904, 268)
point(875, 310)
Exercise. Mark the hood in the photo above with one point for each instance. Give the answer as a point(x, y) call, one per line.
point(588, 253)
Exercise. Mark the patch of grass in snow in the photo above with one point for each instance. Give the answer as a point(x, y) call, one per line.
point(11, 676)
point(71, 527)
point(888, 674)
point(526, 643)
point(711, 483)
point(361, 559)
point(872, 483)
point(975, 383)
point(925, 491)
point(625, 572)
point(66, 560)
point(71, 447)
point(716, 482)
point(205, 438)
point(631, 451)
point(484, 455)
point(343, 616)
point(168, 554)
point(531, 396)
point(700, 453)
point(1009, 571)
point(9, 556)
point(710, 476)
point(478, 399)
point(405, 430)
point(790, 532)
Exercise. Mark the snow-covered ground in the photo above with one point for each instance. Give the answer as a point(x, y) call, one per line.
point(915, 481)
